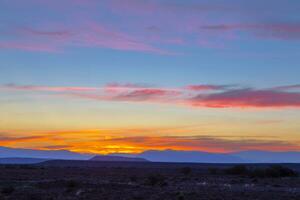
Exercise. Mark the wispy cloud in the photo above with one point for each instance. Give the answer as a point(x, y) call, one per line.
point(245, 98)
point(144, 26)
point(12, 140)
point(29, 46)
point(212, 96)
point(287, 31)
point(288, 87)
point(207, 87)
point(48, 88)
point(85, 34)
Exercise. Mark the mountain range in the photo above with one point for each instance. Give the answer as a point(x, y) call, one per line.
point(13, 155)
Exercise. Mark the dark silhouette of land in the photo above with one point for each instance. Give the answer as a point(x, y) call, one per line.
point(84, 180)
point(117, 159)
point(253, 156)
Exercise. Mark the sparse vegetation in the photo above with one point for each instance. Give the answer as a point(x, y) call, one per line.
point(274, 171)
point(186, 171)
point(150, 181)
point(237, 170)
point(133, 179)
point(156, 180)
point(71, 184)
point(7, 190)
point(213, 170)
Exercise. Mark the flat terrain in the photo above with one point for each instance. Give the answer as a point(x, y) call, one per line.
point(66, 180)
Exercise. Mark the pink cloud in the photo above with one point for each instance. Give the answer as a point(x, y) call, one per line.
point(126, 85)
point(218, 96)
point(60, 34)
point(48, 88)
point(288, 87)
point(140, 25)
point(99, 35)
point(265, 30)
point(244, 98)
point(20, 45)
point(86, 34)
point(205, 87)
point(147, 94)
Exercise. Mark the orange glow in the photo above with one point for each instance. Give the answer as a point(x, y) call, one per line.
point(110, 141)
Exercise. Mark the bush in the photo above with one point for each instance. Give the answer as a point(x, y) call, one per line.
point(180, 196)
point(7, 190)
point(275, 171)
point(71, 184)
point(133, 179)
point(212, 170)
point(186, 170)
point(237, 170)
point(156, 179)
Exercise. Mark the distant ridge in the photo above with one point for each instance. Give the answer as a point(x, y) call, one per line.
point(6, 152)
point(117, 159)
point(21, 160)
point(252, 156)
point(189, 156)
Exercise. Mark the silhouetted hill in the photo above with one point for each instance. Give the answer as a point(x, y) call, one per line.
point(206, 157)
point(21, 160)
point(268, 157)
point(117, 158)
point(159, 156)
point(189, 156)
point(6, 152)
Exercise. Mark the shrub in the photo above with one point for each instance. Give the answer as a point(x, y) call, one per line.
point(186, 170)
point(275, 171)
point(237, 170)
point(71, 184)
point(8, 190)
point(212, 170)
point(180, 196)
point(156, 179)
point(133, 179)
point(33, 196)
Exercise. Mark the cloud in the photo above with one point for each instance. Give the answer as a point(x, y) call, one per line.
point(10, 140)
point(99, 35)
point(52, 34)
point(287, 31)
point(206, 143)
point(125, 86)
point(206, 87)
point(211, 96)
point(29, 46)
point(103, 141)
point(146, 95)
point(244, 98)
point(288, 87)
point(48, 88)
point(86, 34)
point(196, 143)
point(141, 25)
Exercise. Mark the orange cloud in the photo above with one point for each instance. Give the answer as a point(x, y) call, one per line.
point(105, 144)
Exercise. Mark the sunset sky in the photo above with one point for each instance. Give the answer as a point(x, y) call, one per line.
point(106, 76)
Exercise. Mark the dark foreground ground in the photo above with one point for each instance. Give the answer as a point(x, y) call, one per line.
point(63, 180)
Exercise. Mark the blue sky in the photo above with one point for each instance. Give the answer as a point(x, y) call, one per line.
point(151, 64)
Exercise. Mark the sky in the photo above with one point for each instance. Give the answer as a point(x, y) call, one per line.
point(126, 76)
